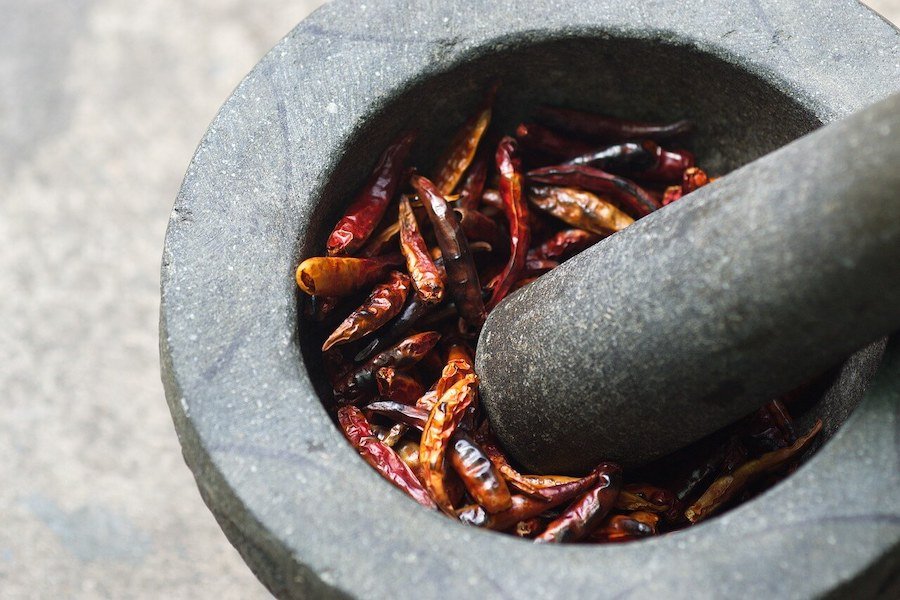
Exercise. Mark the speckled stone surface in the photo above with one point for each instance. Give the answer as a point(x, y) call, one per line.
point(300, 132)
point(705, 310)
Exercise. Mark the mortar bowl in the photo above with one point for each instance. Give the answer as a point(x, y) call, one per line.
point(296, 139)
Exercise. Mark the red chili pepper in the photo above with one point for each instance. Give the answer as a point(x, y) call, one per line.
point(462, 149)
point(401, 413)
point(398, 386)
point(479, 228)
point(525, 507)
point(610, 128)
point(359, 433)
point(381, 306)
point(541, 139)
point(579, 208)
point(478, 474)
point(586, 513)
point(564, 244)
point(644, 160)
point(516, 209)
point(425, 275)
point(473, 185)
point(634, 199)
point(363, 216)
point(672, 193)
point(622, 528)
point(339, 276)
point(693, 178)
point(358, 382)
point(462, 277)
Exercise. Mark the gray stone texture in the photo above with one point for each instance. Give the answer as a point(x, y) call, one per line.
point(703, 311)
point(278, 164)
point(101, 105)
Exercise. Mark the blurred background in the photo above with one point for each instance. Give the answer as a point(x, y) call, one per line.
point(102, 103)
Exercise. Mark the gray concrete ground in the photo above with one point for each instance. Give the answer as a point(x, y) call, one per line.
point(101, 105)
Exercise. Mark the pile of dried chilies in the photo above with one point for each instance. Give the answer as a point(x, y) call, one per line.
point(420, 261)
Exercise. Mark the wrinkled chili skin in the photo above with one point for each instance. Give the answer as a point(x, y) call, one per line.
point(516, 209)
point(402, 413)
point(546, 141)
point(525, 507)
point(462, 149)
point(635, 200)
point(358, 382)
point(478, 474)
point(641, 160)
point(564, 244)
point(610, 129)
point(412, 313)
point(425, 275)
point(462, 277)
point(340, 276)
point(473, 185)
point(382, 305)
point(586, 513)
point(380, 456)
point(579, 208)
point(366, 211)
point(398, 386)
point(479, 228)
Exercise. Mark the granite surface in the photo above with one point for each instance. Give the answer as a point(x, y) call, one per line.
point(101, 105)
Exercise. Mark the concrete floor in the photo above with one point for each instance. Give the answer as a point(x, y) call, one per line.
point(101, 105)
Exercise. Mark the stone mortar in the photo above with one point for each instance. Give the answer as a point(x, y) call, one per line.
point(298, 136)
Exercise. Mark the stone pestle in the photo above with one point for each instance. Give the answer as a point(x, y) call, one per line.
point(705, 310)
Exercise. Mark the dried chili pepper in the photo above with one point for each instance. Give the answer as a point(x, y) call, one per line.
point(381, 242)
point(320, 307)
point(460, 364)
point(585, 514)
point(425, 275)
point(672, 193)
point(397, 329)
point(363, 216)
point(531, 485)
point(358, 431)
point(630, 502)
point(491, 198)
point(398, 386)
point(635, 200)
point(462, 149)
point(355, 384)
point(478, 474)
point(546, 141)
point(442, 422)
point(580, 209)
point(381, 306)
point(339, 276)
point(621, 528)
point(642, 160)
point(724, 489)
point(479, 228)
point(462, 277)
point(397, 431)
point(525, 507)
point(399, 412)
point(473, 185)
point(693, 179)
point(783, 420)
point(529, 527)
point(563, 244)
point(610, 128)
point(516, 209)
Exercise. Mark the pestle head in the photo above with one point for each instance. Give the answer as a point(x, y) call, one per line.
point(705, 310)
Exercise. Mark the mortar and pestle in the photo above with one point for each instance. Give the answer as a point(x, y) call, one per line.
point(300, 134)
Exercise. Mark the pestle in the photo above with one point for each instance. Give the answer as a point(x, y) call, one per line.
point(705, 310)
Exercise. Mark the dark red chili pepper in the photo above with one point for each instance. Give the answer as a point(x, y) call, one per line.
point(381, 242)
point(479, 228)
point(425, 275)
point(610, 128)
point(586, 513)
point(478, 474)
point(398, 386)
point(525, 507)
point(672, 193)
point(397, 329)
point(363, 216)
point(516, 209)
point(358, 382)
point(546, 141)
point(622, 528)
point(462, 277)
point(580, 209)
point(359, 433)
point(401, 413)
point(473, 185)
point(491, 199)
point(783, 420)
point(564, 244)
point(644, 160)
point(339, 276)
point(462, 149)
point(693, 178)
point(635, 200)
point(381, 306)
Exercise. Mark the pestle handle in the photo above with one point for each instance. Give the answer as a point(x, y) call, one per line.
point(703, 311)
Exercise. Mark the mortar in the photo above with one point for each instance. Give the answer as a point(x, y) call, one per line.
point(300, 134)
